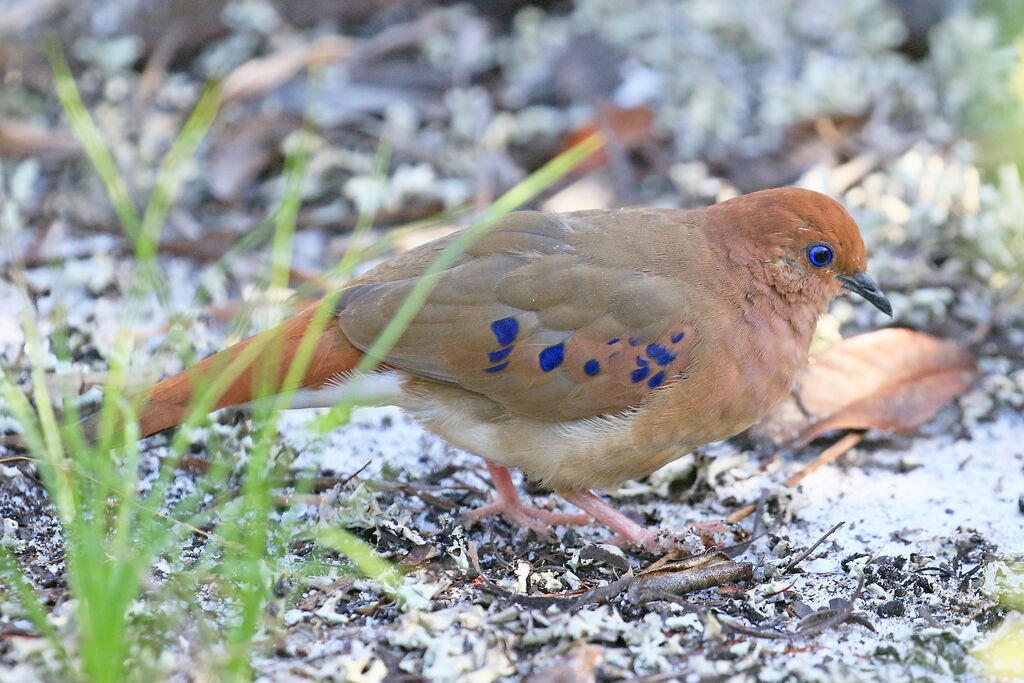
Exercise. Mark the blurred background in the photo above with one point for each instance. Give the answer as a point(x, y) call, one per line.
point(417, 114)
point(909, 111)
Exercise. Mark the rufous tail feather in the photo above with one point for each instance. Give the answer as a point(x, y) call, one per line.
point(263, 373)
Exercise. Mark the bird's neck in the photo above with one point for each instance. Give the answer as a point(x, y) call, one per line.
point(795, 305)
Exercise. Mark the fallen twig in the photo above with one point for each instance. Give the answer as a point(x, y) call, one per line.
point(830, 454)
point(810, 550)
point(679, 580)
point(813, 624)
point(570, 601)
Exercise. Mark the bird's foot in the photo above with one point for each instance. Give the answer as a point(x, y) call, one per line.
point(695, 538)
point(628, 533)
point(711, 529)
point(659, 541)
point(516, 511)
point(510, 506)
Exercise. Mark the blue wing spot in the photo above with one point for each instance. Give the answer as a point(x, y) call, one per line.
point(633, 341)
point(640, 374)
point(613, 341)
point(551, 357)
point(656, 380)
point(497, 368)
point(591, 367)
point(501, 354)
point(655, 350)
point(676, 338)
point(665, 358)
point(641, 362)
point(660, 355)
point(505, 330)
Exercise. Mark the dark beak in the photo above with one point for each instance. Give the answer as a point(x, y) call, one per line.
point(862, 284)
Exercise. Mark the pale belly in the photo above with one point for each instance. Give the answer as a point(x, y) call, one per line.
point(592, 453)
point(595, 453)
point(575, 455)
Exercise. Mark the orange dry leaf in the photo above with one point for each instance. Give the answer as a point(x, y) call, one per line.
point(630, 128)
point(894, 380)
point(21, 140)
point(259, 75)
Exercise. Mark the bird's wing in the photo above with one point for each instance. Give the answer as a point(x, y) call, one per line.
point(527, 319)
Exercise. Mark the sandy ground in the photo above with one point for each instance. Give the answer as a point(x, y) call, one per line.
point(927, 509)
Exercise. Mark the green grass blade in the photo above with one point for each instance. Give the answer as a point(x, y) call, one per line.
point(168, 179)
point(92, 140)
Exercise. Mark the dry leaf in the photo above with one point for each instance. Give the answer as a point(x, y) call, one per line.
point(257, 76)
point(245, 150)
point(629, 128)
point(691, 574)
point(20, 140)
point(894, 380)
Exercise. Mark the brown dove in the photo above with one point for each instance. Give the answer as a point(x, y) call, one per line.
point(584, 349)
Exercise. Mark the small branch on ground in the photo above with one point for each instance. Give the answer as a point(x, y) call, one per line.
point(830, 454)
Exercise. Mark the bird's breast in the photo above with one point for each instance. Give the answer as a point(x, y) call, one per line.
point(735, 371)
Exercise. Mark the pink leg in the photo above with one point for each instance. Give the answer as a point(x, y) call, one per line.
point(509, 505)
point(627, 532)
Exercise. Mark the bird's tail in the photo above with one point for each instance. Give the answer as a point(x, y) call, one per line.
point(259, 366)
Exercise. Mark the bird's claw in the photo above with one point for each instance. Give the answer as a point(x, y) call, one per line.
point(660, 541)
point(516, 511)
point(709, 529)
point(695, 538)
point(510, 506)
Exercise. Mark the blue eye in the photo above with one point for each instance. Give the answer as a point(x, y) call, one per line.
point(820, 255)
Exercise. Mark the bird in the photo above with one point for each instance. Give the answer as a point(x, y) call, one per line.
point(584, 349)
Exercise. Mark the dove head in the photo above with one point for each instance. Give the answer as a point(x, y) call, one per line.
point(804, 242)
